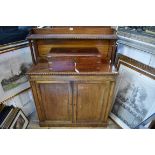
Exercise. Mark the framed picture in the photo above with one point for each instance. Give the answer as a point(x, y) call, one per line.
point(20, 121)
point(13, 118)
point(135, 90)
point(23, 100)
point(14, 63)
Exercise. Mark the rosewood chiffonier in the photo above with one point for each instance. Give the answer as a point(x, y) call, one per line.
point(80, 95)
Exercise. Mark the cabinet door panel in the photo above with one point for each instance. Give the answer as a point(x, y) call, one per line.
point(90, 101)
point(56, 101)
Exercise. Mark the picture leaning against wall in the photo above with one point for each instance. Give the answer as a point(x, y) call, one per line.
point(13, 66)
point(135, 91)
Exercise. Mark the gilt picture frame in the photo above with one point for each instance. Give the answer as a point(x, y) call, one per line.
point(15, 60)
point(134, 96)
point(20, 121)
point(23, 100)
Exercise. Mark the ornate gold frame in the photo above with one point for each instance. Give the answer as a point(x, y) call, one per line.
point(136, 65)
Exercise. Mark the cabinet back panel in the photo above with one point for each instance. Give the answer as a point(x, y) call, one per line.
point(105, 47)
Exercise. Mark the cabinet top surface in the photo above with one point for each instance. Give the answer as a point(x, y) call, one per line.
point(73, 33)
point(42, 69)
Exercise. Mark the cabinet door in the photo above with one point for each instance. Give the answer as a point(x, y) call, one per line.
point(55, 100)
point(90, 101)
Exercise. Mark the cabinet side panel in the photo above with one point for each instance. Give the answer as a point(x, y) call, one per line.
point(109, 100)
point(37, 103)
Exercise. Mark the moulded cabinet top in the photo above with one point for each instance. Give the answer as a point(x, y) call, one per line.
point(42, 69)
point(73, 33)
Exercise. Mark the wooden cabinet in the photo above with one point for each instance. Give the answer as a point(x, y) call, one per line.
point(81, 96)
point(72, 99)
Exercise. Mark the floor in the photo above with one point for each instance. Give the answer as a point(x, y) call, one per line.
point(34, 123)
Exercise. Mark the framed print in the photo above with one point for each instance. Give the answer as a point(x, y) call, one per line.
point(20, 121)
point(13, 118)
point(24, 100)
point(13, 66)
point(135, 90)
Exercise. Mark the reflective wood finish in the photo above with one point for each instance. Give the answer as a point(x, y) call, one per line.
point(66, 59)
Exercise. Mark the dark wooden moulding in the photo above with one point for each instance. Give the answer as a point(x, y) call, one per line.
point(70, 98)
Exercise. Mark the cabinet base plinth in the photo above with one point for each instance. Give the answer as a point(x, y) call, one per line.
point(93, 125)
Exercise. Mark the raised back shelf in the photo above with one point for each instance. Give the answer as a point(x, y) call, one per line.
point(102, 38)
